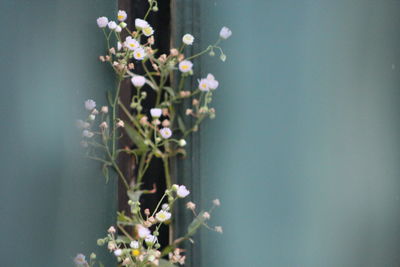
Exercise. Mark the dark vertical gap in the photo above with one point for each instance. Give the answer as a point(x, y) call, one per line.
point(160, 21)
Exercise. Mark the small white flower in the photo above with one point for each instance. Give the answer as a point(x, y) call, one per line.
point(134, 244)
point(150, 239)
point(156, 112)
point(163, 216)
point(118, 29)
point(148, 31)
point(182, 142)
point(185, 66)
point(102, 22)
point(204, 85)
point(111, 230)
point(140, 23)
point(165, 206)
point(216, 202)
point(122, 15)
point(131, 43)
point(80, 260)
point(182, 191)
point(166, 132)
point(225, 33)
point(188, 39)
point(90, 104)
point(206, 215)
point(138, 81)
point(119, 46)
point(139, 53)
point(218, 229)
point(212, 82)
point(87, 134)
point(92, 117)
point(118, 252)
point(112, 25)
point(143, 232)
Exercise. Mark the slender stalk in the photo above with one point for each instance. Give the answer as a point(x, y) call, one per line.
point(168, 181)
point(114, 116)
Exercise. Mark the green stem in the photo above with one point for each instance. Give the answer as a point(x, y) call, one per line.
point(114, 116)
point(168, 181)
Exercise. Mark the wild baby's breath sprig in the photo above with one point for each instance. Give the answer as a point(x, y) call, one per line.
point(158, 131)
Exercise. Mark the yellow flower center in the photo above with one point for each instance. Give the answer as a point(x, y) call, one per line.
point(120, 17)
point(147, 30)
point(138, 54)
point(135, 252)
point(185, 67)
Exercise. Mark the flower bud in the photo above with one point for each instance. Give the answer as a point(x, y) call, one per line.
point(165, 123)
point(104, 109)
point(111, 230)
point(155, 8)
point(182, 142)
point(174, 52)
point(175, 187)
point(222, 57)
point(122, 24)
point(100, 242)
point(92, 256)
point(147, 212)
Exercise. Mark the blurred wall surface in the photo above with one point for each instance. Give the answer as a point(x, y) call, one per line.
point(304, 152)
point(53, 202)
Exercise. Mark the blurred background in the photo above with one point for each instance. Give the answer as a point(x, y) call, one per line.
point(304, 152)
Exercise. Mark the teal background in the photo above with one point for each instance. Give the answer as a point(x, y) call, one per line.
point(53, 202)
point(304, 152)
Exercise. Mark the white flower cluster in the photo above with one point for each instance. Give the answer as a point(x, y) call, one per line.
point(208, 83)
point(156, 131)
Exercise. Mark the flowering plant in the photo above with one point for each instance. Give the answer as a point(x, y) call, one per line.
point(159, 131)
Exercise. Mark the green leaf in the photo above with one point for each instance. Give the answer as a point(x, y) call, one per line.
point(181, 124)
point(165, 263)
point(134, 195)
point(170, 90)
point(124, 239)
point(195, 224)
point(167, 250)
point(106, 172)
point(122, 219)
point(109, 98)
point(136, 138)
